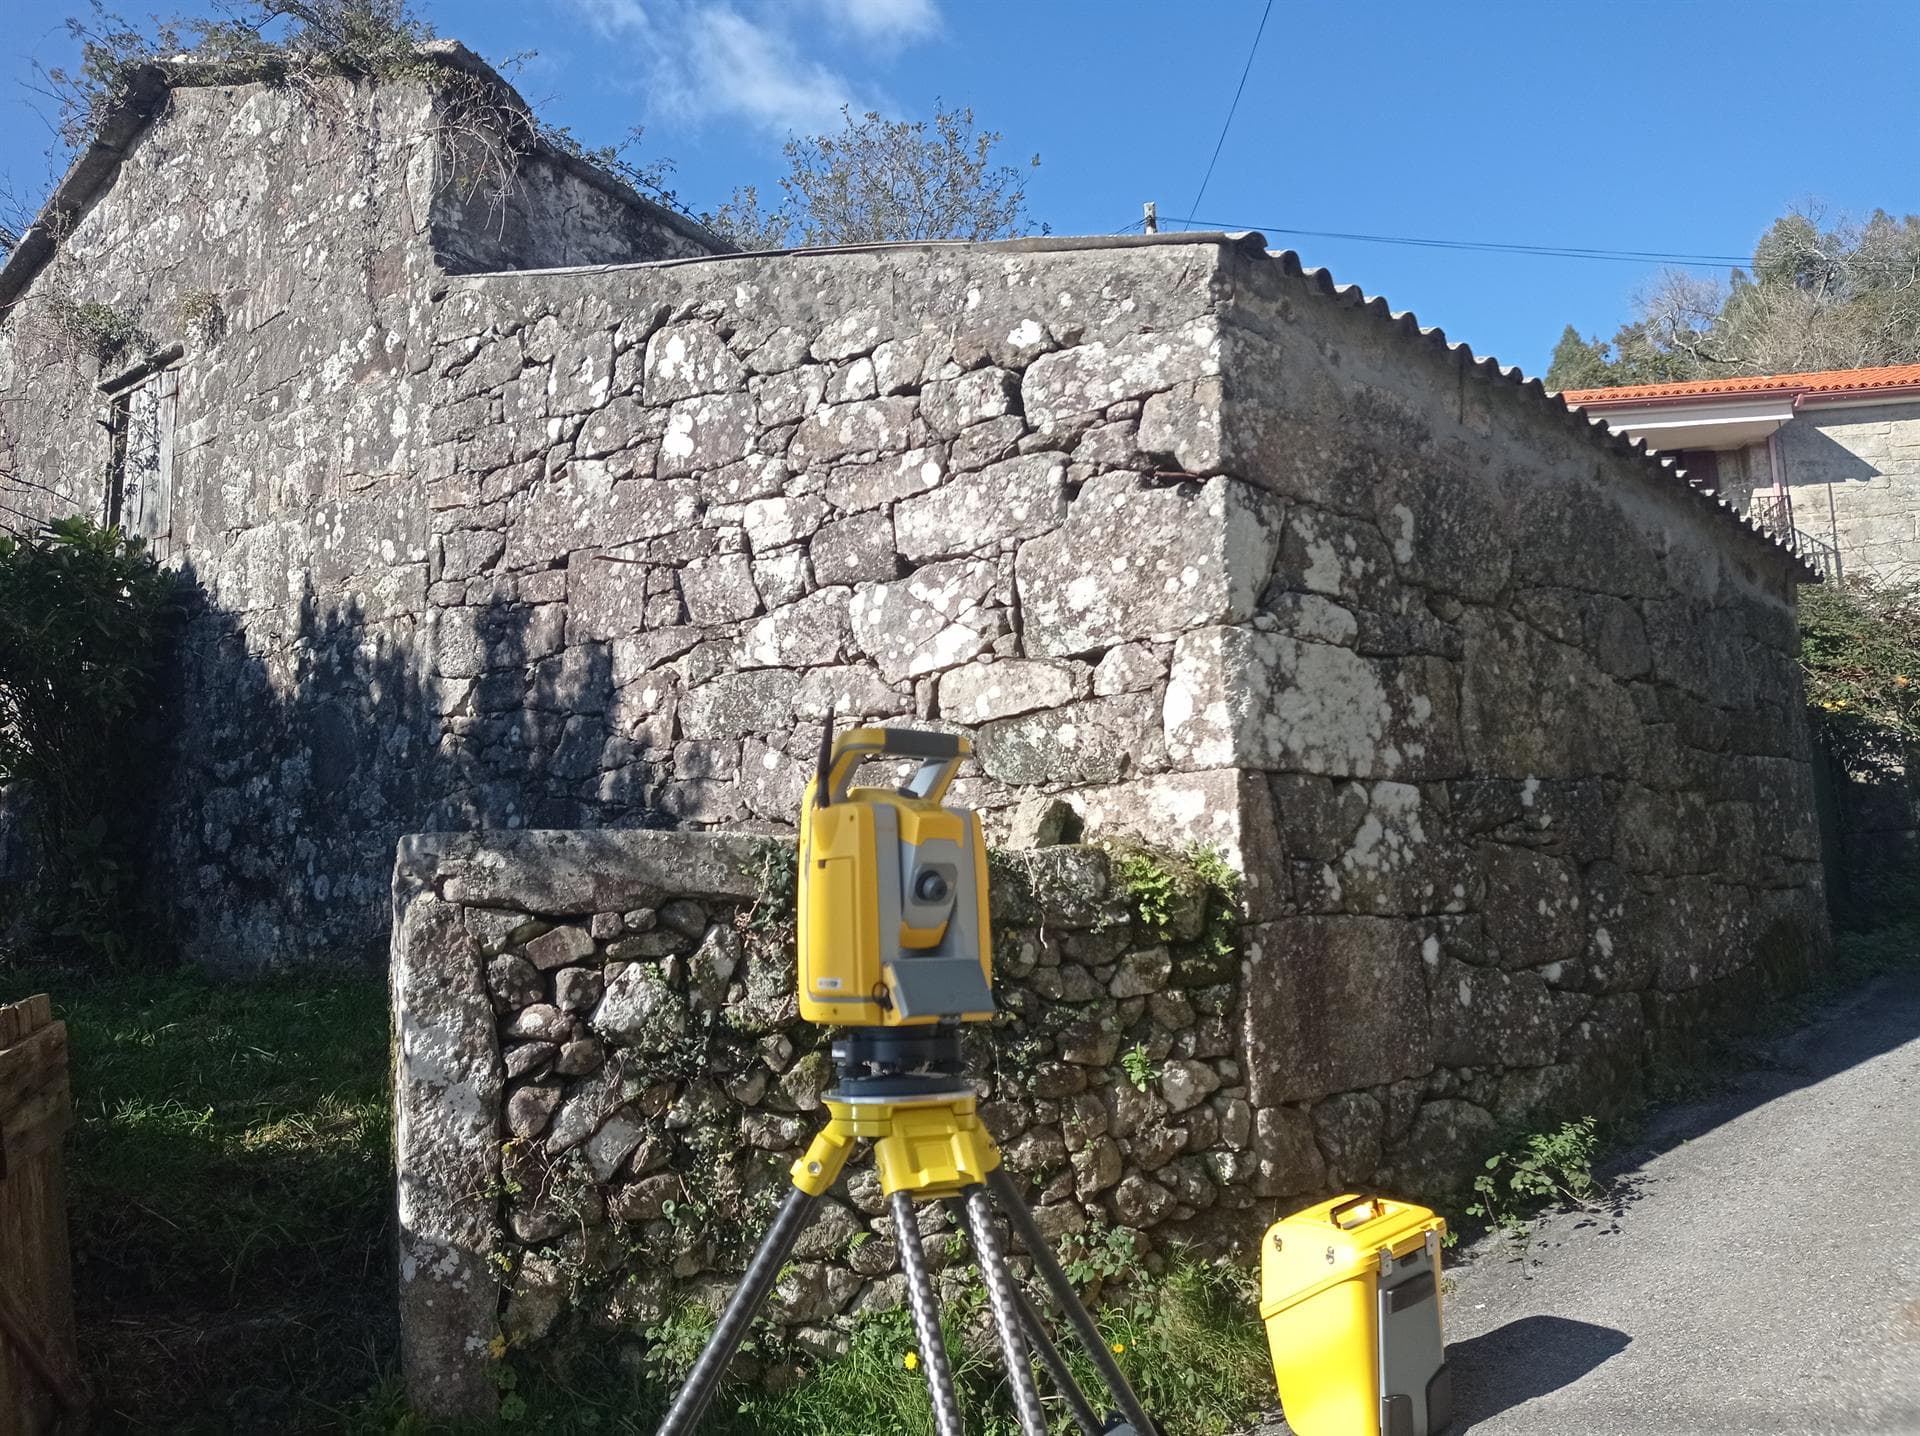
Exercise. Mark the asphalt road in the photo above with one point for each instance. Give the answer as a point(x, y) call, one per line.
point(1757, 1272)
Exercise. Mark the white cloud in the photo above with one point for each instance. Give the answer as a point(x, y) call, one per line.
point(614, 18)
point(886, 20)
point(705, 58)
point(759, 74)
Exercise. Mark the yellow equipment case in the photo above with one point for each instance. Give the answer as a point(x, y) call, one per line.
point(1350, 1296)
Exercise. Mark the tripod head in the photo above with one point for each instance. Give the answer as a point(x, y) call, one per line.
point(893, 928)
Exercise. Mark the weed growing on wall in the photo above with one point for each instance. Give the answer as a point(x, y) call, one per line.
point(1190, 895)
point(1540, 1169)
point(354, 37)
point(200, 313)
point(85, 622)
point(91, 329)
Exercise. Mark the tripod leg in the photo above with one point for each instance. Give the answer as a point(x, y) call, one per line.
point(1010, 1201)
point(1084, 1416)
point(926, 1318)
point(1006, 1315)
point(762, 1273)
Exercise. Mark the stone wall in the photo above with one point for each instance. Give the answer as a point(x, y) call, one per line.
point(684, 511)
point(1170, 529)
point(283, 239)
point(1529, 725)
point(602, 1080)
point(1855, 477)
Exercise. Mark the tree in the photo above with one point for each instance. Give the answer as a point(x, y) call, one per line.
point(1819, 296)
point(878, 180)
point(85, 618)
point(1579, 363)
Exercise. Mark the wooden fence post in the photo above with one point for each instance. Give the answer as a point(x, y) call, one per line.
point(39, 1368)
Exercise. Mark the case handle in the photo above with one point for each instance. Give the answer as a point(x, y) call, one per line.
point(1335, 1215)
point(941, 752)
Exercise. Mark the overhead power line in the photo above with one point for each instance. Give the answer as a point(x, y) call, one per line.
point(1252, 50)
point(1549, 251)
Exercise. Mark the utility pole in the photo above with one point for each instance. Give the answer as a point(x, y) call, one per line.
point(1153, 217)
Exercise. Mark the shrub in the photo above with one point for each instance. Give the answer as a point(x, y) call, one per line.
point(85, 615)
point(1860, 651)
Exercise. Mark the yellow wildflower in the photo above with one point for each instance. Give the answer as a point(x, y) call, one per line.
point(911, 1360)
point(1118, 1347)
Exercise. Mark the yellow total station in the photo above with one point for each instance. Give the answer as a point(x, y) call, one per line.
point(893, 927)
point(894, 951)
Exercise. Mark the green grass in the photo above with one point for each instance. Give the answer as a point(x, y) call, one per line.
point(230, 1178)
point(229, 1170)
point(1190, 1343)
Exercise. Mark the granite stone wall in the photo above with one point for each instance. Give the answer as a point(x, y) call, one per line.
point(680, 513)
point(602, 1080)
point(281, 242)
point(1530, 727)
point(1855, 477)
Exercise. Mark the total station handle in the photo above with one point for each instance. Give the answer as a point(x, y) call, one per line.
point(941, 755)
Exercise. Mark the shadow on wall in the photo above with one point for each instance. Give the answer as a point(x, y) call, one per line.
point(1820, 458)
point(1523, 1360)
point(322, 733)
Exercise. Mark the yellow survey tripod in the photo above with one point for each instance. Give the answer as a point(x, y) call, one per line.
point(894, 944)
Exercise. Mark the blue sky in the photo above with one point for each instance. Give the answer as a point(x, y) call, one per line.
point(1677, 127)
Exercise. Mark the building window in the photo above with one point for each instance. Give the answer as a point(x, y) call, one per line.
point(139, 424)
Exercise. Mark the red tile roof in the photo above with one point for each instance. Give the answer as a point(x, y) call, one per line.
point(1817, 381)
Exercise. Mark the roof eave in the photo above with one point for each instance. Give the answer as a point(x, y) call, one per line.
point(1594, 425)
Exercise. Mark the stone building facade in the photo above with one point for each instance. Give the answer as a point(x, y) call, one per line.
point(507, 502)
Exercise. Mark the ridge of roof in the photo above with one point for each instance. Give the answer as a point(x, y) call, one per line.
point(1808, 381)
point(144, 93)
point(1554, 405)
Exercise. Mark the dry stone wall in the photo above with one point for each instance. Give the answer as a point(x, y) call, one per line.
point(602, 1081)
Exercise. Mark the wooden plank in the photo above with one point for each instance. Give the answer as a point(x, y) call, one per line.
point(17, 1019)
point(47, 1364)
point(34, 1127)
point(39, 1365)
point(45, 1048)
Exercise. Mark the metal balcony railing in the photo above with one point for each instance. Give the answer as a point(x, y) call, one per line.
point(1774, 514)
